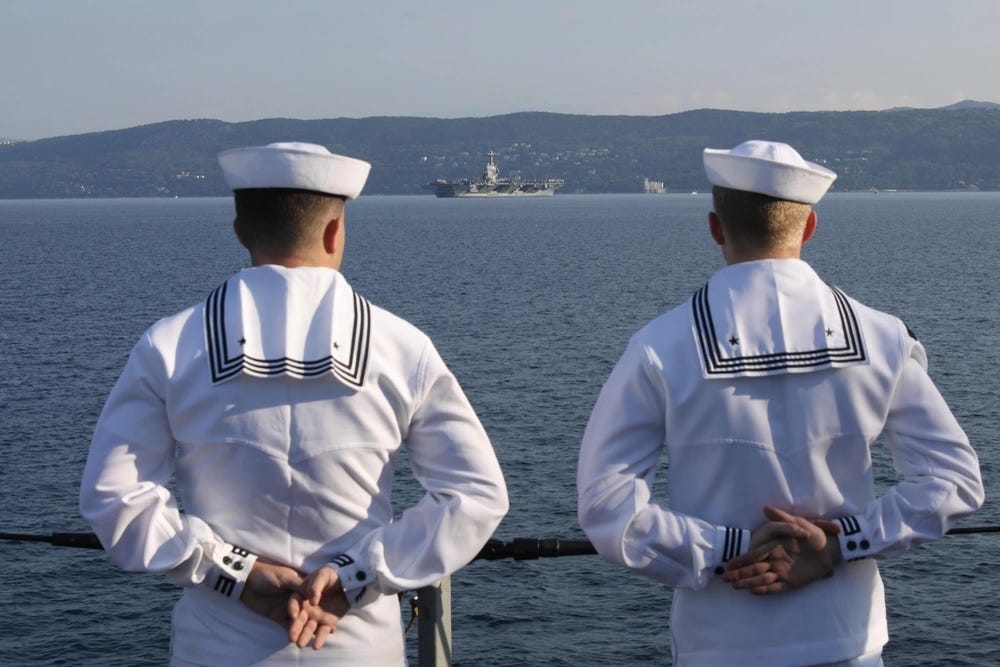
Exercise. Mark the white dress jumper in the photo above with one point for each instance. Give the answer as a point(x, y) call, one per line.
point(279, 407)
point(770, 387)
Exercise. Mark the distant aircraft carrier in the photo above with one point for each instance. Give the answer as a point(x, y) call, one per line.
point(491, 185)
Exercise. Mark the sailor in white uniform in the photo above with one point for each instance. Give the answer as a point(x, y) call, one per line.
point(769, 387)
point(278, 408)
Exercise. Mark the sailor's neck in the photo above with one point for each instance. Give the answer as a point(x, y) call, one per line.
point(296, 261)
point(754, 256)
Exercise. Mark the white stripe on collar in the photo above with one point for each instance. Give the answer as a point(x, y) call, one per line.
point(722, 357)
point(344, 354)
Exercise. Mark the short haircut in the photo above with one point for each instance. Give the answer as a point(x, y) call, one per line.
point(283, 219)
point(755, 221)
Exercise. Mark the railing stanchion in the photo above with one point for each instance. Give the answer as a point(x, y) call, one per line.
point(434, 625)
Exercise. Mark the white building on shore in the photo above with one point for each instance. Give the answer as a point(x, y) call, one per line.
point(653, 187)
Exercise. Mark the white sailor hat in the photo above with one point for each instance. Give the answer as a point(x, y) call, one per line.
point(295, 165)
point(769, 168)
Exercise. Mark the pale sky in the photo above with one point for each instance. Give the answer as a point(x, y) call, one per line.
point(74, 66)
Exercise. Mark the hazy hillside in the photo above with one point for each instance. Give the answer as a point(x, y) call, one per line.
point(940, 149)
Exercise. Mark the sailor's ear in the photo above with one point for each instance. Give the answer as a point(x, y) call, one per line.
point(239, 233)
point(810, 227)
point(715, 228)
point(333, 234)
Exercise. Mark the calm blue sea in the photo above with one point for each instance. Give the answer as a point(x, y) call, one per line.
point(530, 302)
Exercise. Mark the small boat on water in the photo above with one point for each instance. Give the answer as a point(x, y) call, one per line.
point(490, 184)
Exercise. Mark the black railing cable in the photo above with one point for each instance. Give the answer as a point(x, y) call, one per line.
point(530, 548)
point(81, 540)
point(520, 548)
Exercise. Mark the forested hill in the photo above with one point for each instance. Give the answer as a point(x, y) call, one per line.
point(953, 148)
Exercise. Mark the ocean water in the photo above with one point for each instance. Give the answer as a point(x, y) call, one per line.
point(530, 302)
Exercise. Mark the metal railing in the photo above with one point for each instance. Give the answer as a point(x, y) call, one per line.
point(431, 606)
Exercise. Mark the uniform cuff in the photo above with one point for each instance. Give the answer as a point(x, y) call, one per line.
point(230, 569)
point(729, 543)
point(355, 579)
point(855, 538)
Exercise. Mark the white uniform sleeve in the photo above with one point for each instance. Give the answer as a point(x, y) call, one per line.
point(940, 480)
point(621, 447)
point(124, 492)
point(453, 460)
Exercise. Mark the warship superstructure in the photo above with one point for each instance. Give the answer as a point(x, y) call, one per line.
point(490, 184)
